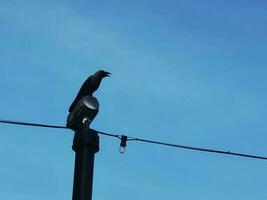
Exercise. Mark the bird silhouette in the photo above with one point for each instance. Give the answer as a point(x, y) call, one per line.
point(89, 86)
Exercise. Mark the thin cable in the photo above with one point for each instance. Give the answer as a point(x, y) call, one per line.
point(48, 126)
point(32, 124)
point(141, 140)
point(108, 134)
point(199, 149)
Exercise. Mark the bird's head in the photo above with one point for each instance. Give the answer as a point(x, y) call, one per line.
point(102, 74)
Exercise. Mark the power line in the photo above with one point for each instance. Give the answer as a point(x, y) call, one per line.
point(199, 149)
point(31, 124)
point(48, 126)
point(142, 140)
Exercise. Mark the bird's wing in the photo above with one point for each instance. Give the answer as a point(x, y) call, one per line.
point(84, 90)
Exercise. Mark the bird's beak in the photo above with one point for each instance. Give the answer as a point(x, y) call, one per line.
point(108, 74)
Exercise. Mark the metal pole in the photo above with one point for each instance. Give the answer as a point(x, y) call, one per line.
point(85, 145)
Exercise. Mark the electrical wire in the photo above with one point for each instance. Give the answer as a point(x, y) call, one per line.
point(199, 149)
point(31, 124)
point(108, 134)
point(141, 140)
point(48, 126)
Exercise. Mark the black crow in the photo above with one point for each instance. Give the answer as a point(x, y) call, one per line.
point(89, 86)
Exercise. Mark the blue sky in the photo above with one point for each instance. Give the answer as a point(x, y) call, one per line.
point(186, 72)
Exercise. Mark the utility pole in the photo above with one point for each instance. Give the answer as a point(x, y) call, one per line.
point(85, 145)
